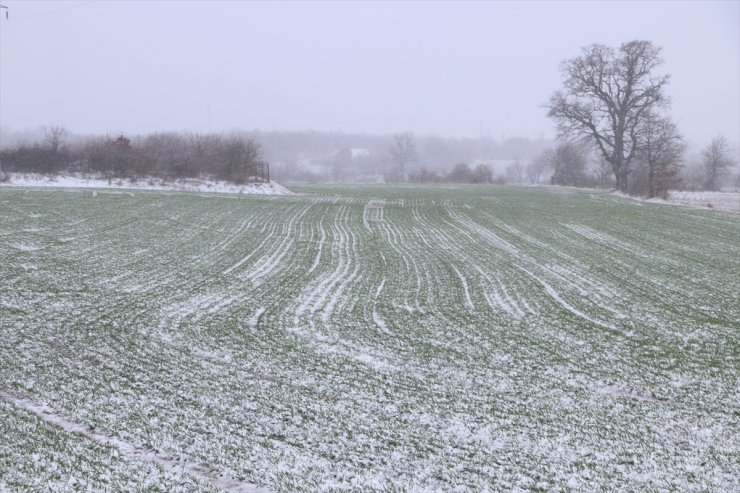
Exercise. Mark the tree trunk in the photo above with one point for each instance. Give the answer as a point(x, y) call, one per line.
point(621, 176)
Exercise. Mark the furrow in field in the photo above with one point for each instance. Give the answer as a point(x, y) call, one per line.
point(345, 281)
point(466, 290)
point(323, 293)
point(377, 319)
point(454, 337)
point(575, 311)
point(394, 237)
point(606, 239)
point(267, 237)
point(494, 287)
point(134, 451)
point(320, 247)
point(269, 264)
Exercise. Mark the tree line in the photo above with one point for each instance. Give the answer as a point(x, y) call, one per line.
point(168, 156)
point(611, 116)
point(657, 166)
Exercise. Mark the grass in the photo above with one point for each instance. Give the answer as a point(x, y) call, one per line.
point(369, 338)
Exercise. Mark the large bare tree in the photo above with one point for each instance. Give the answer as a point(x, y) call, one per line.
point(607, 94)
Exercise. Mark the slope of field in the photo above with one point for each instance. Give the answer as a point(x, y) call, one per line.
point(367, 338)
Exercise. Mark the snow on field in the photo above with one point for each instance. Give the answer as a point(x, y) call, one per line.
point(133, 451)
point(721, 201)
point(367, 339)
point(181, 185)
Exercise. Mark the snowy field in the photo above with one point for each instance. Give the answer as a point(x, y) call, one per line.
point(367, 338)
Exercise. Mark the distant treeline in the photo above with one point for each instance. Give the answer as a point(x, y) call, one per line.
point(321, 157)
point(295, 156)
point(163, 155)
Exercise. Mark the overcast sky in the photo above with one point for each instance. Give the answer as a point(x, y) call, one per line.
point(433, 68)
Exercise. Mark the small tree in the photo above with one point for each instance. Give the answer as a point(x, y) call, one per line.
point(568, 162)
point(482, 173)
point(340, 163)
point(56, 138)
point(426, 176)
point(536, 168)
point(239, 159)
point(515, 172)
point(124, 157)
point(403, 152)
point(460, 173)
point(716, 161)
point(661, 153)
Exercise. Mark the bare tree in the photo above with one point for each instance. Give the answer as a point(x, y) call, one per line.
point(168, 155)
point(460, 173)
point(568, 161)
point(515, 172)
point(56, 138)
point(426, 176)
point(606, 97)
point(403, 152)
point(239, 159)
point(661, 152)
point(536, 168)
point(482, 173)
point(340, 163)
point(716, 161)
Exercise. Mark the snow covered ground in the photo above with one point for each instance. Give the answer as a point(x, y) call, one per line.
point(182, 185)
point(722, 201)
point(370, 338)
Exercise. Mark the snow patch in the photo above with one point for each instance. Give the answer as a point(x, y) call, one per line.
point(721, 201)
point(26, 247)
point(146, 183)
point(254, 320)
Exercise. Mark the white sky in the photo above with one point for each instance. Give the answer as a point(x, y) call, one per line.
point(432, 68)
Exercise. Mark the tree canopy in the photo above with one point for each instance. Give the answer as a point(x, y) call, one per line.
point(606, 97)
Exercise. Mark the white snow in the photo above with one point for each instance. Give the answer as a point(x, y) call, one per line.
point(377, 319)
point(466, 290)
point(25, 247)
point(279, 342)
point(616, 391)
point(255, 318)
point(182, 185)
point(575, 311)
point(133, 451)
point(721, 201)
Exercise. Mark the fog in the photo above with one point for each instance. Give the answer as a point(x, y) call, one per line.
point(448, 69)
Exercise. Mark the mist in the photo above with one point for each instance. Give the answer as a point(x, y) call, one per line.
point(461, 70)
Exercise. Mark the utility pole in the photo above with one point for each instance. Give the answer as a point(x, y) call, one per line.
point(2, 173)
